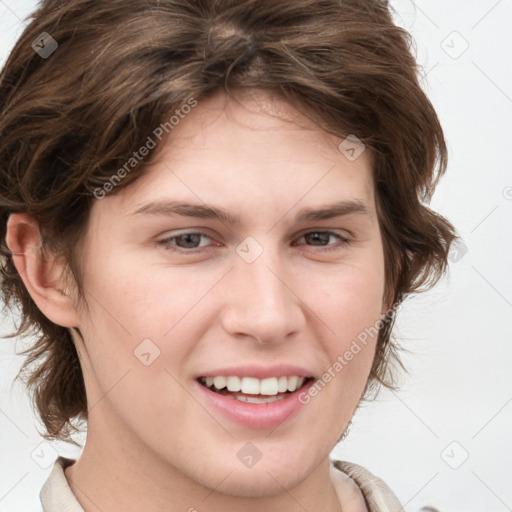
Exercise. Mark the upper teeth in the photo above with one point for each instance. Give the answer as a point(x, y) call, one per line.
point(253, 386)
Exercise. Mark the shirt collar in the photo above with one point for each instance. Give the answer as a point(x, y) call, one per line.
point(56, 495)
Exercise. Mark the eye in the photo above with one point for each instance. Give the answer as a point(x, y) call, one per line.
point(188, 240)
point(321, 238)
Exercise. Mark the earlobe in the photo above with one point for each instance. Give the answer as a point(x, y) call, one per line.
point(42, 275)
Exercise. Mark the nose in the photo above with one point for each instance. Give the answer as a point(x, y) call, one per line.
point(260, 301)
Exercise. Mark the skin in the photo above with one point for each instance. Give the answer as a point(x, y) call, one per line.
point(153, 443)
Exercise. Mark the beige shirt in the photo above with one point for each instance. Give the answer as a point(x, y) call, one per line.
point(56, 495)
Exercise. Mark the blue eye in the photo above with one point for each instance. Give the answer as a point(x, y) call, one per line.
point(188, 242)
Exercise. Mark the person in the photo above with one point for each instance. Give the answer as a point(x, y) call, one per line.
point(210, 213)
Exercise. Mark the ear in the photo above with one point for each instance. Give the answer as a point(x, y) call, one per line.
point(42, 275)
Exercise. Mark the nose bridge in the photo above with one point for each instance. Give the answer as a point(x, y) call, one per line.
point(261, 303)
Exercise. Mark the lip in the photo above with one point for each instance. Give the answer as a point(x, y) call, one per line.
point(258, 372)
point(255, 416)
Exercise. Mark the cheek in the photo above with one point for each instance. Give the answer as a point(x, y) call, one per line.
point(349, 299)
point(134, 367)
point(129, 296)
point(349, 303)
point(137, 309)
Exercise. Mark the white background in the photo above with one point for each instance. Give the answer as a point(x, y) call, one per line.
point(457, 400)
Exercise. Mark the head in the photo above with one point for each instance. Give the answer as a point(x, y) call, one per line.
point(263, 110)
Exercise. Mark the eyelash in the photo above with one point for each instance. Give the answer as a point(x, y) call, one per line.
point(166, 242)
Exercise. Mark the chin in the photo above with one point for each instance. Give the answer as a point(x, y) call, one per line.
point(258, 483)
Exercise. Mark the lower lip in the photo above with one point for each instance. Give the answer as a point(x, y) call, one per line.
point(256, 415)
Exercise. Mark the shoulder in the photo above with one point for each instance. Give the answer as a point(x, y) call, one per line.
point(378, 496)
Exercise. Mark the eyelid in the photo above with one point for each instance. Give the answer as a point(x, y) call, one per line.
point(343, 242)
point(166, 239)
point(334, 231)
point(344, 239)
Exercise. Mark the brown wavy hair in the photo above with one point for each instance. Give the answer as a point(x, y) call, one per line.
point(70, 119)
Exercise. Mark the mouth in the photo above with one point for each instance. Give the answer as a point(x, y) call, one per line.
point(255, 391)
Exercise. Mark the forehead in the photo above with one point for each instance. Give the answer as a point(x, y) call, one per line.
point(255, 149)
point(253, 117)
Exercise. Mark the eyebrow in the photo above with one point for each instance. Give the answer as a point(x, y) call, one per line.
point(203, 211)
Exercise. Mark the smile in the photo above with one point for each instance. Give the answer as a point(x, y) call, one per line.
point(253, 390)
point(253, 402)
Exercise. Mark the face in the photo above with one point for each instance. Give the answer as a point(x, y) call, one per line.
point(177, 296)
